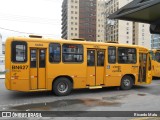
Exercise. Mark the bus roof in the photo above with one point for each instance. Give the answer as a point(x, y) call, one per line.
point(68, 41)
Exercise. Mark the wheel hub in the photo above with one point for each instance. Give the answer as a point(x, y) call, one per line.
point(62, 87)
point(126, 82)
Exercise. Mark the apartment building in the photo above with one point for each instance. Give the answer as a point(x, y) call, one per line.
point(125, 32)
point(83, 19)
point(0, 44)
point(141, 34)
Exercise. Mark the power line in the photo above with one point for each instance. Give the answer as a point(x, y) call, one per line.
point(24, 32)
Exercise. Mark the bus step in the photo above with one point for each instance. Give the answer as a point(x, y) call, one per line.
point(38, 90)
point(95, 87)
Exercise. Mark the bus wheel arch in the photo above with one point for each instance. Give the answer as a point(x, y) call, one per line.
point(127, 82)
point(62, 85)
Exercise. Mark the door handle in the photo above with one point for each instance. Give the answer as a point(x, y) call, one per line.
point(134, 66)
point(33, 77)
point(92, 75)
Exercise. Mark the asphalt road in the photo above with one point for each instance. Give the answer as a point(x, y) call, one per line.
point(140, 98)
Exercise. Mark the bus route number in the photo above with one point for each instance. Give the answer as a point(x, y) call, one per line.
point(19, 67)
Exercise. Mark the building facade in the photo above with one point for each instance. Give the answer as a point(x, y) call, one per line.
point(141, 35)
point(125, 32)
point(0, 44)
point(83, 19)
point(88, 19)
point(118, 30)
point(2, 58)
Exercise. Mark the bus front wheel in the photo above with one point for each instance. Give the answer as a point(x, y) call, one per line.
point(62, 86)
point(126, 83)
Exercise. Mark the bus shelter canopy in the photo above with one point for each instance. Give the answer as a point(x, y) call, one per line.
point(146, 11)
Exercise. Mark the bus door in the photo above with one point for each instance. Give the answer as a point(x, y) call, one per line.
point(37, 68)
point(142, 67)
point(95, 67)
point(156, 64)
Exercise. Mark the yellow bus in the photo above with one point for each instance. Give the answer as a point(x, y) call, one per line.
point(155, 54)
point(38, 64)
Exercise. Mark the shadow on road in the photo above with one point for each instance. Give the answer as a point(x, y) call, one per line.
point(26, 95)
point(156, 78)
point(67, 104)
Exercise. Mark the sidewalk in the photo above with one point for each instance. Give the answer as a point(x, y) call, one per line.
point(2, 76)
point(2, 71)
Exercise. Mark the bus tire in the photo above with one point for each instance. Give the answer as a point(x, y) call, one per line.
point(126, 83)
point(62, 86)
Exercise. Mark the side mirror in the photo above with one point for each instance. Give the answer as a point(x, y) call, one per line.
point(155, 28)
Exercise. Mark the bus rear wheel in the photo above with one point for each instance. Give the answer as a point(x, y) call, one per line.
point(62, 86)
point(126, 83)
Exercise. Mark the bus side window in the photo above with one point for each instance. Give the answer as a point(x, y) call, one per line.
point(33, 58)
point(127, 55)
point(90, 58)
point(42, 58)
point(54, 52)
point(19, 51)
point(111, 55)
point(100, 58)
point(72, 53)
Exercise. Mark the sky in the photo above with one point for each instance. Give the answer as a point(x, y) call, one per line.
point(24, 17)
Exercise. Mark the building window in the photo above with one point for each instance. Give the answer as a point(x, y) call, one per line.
point(72, 53)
